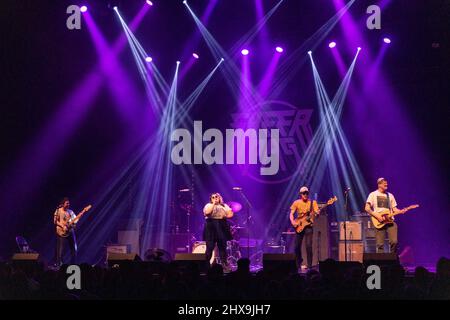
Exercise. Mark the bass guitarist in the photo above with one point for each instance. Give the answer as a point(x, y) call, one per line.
point(304, 206)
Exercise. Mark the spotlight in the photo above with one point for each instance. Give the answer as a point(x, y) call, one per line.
point(115, 8)
point(178, 62)
point(309, 52)
point(196, 56)
point(222, 59)
point(387, 40)
point(149, 2)
point(332, 44)
point(185, 2)
point(359, 48)
point(148, 59)
point(245, 52)
point(279, 49)
point(83, 9)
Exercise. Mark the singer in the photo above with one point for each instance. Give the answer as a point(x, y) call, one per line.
point(217, 230)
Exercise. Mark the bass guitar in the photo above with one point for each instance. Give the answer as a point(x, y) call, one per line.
point(307, 219)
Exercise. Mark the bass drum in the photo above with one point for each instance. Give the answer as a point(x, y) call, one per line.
point(200, 247)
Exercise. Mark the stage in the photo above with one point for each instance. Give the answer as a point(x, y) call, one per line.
point(267, 133)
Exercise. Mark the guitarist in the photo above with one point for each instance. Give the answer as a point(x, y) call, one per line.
point(303, 206)
point(378, 201)
point(61, 219)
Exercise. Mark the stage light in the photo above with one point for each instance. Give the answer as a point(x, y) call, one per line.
point(178, 62)
point(359, 48)
point(149, 2)
point(115, 8)
point(83, 9)
point(279, 49)
point(387, 40)
point(332, 44)
point(309, 52)
point(185, 2)
point(196, 56)
point(148, 59)
point(245, 52)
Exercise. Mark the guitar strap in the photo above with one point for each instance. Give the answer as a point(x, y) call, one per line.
point(389, 202)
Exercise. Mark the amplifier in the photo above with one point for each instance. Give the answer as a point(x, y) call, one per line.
point(354, 230)
point(117, 249)
point(355, 251)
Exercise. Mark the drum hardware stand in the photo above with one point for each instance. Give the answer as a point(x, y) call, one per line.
point(188, 229)
point(249, 206)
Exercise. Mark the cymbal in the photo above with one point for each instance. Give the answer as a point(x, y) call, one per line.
point(235, 206)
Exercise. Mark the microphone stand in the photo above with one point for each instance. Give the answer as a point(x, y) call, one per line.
point(249, 206)
point(345, 221)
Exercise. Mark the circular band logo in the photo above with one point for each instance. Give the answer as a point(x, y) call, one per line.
point(295, 133)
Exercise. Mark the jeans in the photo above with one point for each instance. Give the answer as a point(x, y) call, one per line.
point(380, 235)
point(61, 243)
point(307, 233)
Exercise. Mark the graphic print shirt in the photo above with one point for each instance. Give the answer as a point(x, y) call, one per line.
point(379, 201)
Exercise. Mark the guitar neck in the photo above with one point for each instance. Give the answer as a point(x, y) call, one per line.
point(78, 216)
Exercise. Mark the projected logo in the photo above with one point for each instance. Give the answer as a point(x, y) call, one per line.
point(295, 134)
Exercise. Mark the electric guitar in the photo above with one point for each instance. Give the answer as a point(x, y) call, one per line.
point(388, 216)
point(307, 219)
point(68, 226)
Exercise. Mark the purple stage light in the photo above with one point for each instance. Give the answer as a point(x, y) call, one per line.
point(279, 49)
point(148, 59)
point(309, 52)
point(332, 44)
point(83, 9)
point(245, 52)
point(359, 48)
point(149, 2)
point(387, 40)
point(196, 56)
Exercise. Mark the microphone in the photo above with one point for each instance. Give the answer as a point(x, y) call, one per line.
point(237, 188)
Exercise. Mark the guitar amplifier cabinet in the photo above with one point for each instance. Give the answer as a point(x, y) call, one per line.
point(118, 249)
point(355, 251)
point(354, 230)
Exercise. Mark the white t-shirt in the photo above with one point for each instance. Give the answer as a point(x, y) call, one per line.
point(378, 201)
point(219, 212)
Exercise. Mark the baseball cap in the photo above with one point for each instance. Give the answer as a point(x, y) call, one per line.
point(303, 189)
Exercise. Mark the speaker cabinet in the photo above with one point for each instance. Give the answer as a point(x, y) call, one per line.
point(121, 258)
point(25, 257)
point(280, 263)
point(189, 260)
point(354, 230)
point(355, 250)
point(380, 259)
point(26, 262)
